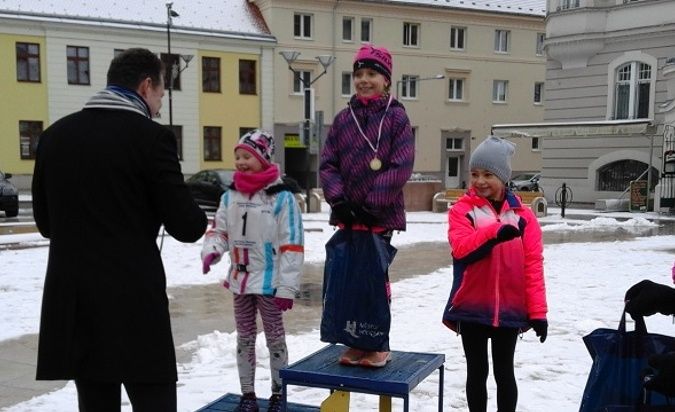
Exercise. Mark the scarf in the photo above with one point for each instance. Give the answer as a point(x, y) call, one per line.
point(119, 98)
point(367, 99)
point(250, 183)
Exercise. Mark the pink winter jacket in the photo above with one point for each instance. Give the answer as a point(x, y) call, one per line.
point(495, 283)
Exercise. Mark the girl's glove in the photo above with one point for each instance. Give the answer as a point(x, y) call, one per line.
point(208, 261)
point(673, 272)
point(344, 212)
point(540, 327)
point(283, 303)
point(507, 232)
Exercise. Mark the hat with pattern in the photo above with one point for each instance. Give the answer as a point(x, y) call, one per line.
point(259, 143)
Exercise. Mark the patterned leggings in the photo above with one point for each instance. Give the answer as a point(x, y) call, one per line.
point(245, 307)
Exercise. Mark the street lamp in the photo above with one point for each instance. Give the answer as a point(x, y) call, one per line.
point(325, 60)
point(436, 77)
point(175, 66)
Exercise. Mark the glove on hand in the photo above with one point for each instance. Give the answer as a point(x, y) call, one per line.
point(507, 232)
point(664, 379)
point(646, 298)
point(364, 217)
point(540, 327)
point(208, 260)
point(673, 272)
point(344, 212)
point(283, 303)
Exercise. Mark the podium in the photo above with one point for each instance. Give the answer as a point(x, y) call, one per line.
point(230, 401)
point(402, 374)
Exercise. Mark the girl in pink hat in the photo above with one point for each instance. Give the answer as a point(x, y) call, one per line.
point(366, 160)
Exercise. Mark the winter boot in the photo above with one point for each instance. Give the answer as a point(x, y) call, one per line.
point(248, 403)
point(275, 403)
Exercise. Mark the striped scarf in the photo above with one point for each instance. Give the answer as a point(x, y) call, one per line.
point(119, 98)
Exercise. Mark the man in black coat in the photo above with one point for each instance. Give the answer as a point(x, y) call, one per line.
point(106, 178)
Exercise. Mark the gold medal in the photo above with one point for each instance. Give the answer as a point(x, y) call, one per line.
point(375, 164)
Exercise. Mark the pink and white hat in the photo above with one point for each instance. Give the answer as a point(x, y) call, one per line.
point(259, 143)
point(376, 58)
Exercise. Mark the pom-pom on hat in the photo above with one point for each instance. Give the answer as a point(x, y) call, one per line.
point(376, 58)
point(494, 154)
point(259, 143)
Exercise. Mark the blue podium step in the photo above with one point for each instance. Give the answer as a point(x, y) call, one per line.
point(230, 401)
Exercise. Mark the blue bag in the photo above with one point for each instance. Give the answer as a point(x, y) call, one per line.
point(355, 303)
point(619, 363)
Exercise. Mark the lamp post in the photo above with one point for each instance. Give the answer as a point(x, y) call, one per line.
point(325, 60)
point(175, 66)
point(436, 77)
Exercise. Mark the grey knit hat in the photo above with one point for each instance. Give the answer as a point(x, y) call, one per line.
point(494, 154)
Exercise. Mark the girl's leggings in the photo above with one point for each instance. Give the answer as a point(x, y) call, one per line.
point(245, 307)
point(503, 345)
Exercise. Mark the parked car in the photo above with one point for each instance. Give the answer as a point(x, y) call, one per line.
point(527, 182)
point(207, 186)
point(9, 196)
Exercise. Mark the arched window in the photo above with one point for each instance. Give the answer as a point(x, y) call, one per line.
point(632, 87)
point(615, 176)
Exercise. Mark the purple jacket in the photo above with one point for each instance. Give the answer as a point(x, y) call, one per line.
point(345, 171)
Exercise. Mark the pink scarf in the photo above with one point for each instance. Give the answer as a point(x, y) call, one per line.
point(367, 99)
point(250, 183)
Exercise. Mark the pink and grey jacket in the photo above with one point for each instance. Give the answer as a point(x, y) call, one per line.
point(345, 172)
point(495, 283)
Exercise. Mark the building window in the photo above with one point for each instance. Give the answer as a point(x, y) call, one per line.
point(455, 89)
point(539, 48)
point(244, 130)
point(299, 86)
point(211, 74)
point(615, 176)
point(409, 86)
point(28, 62)
point(29, 135)
point(502, 41)
point(632, 86)
point(452, 143)
point(78, 64)
point(117, 52)
point(569, 4)
point(247, 77)
point(178, 132)
point(457, 38)
point(366, 30)
point(302, 26)
point(411, 33)
point(346, 89)
point(212, 143)
point(347, 29)
point(538, 92)
point(500, 90)
point(171, 64)
point(535, 144)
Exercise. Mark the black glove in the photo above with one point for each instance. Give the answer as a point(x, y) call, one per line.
point(664, 379)
point(364, 217)
point(646, 298)
point(507, 232)
point(344, 212)
point(540, 327)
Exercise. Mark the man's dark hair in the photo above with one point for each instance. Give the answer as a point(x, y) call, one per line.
point(132, 66)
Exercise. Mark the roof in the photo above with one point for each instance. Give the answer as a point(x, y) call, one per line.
point(525, 7)
point(216, 17)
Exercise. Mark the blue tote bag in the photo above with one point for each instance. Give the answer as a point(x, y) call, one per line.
point(619, 361)
point(355, 303)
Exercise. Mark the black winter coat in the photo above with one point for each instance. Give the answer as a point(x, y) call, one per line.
point(104, 182)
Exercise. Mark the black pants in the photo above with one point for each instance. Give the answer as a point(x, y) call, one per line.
point(503, 346)
point(107, 396)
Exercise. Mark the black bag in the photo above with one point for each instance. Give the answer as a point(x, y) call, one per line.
point(615, 381)
point(355, 303)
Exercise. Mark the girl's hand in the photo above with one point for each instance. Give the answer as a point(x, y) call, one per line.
point(208, 260)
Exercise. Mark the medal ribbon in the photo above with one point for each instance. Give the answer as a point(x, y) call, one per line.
point(379, 129)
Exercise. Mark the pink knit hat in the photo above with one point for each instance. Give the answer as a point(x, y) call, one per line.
point(259, 143)
point(376, 58)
